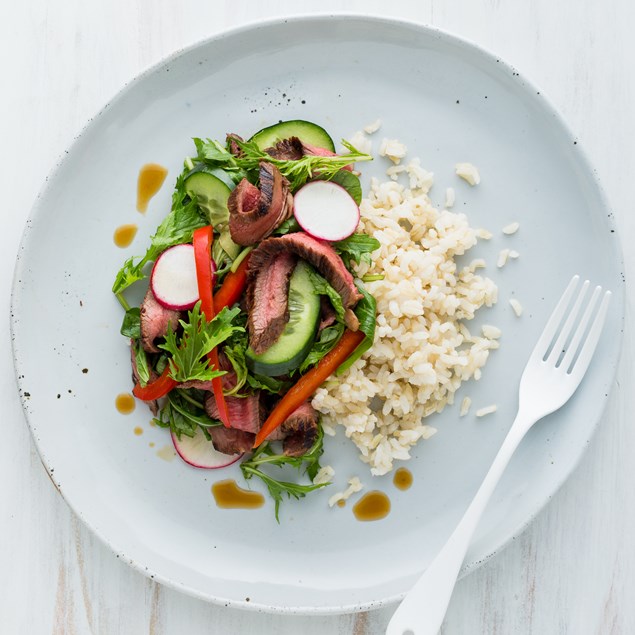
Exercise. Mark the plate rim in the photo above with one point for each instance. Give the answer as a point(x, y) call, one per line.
point(377, 20)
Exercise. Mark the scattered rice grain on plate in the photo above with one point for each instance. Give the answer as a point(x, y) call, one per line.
point(395, 170)
point(325, 475)
point(468, 173)
point(517, 306)
point(491, 332)
point(393, 149)
point(373, 127)
point(354, 486)
point(450, 197)
point(502, 258)
point(421, 353)
point(465, 406)
point(420, 179)
point(483, 233)
point(488, 410)
point(513, 254)
point(510, 229)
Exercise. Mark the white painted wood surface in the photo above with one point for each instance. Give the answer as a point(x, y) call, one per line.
point(572, 571)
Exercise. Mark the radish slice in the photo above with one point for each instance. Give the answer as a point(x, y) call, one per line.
point(325, 210)
point(200, 452)
point(173, 278)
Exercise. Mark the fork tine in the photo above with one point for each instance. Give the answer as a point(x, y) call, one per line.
point(568, 326)
point(542, 345)
point(572, 349)
point(588, 347)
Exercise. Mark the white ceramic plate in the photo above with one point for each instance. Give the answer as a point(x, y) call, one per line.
point(449, 101)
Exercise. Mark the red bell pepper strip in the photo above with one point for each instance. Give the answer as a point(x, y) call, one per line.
point(157, 388)
point(202, 241)
point(309, 383)
point(233, 286)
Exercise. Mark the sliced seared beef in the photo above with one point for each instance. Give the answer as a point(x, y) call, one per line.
point(290, 149)
point(243, 199)
point(155, 321)
point(300, 430)
point(231, 440)
point(327, 313)
point(268, 301)
point(253, 213)
point(244, 412)
point(320, 254)
point(234, 148)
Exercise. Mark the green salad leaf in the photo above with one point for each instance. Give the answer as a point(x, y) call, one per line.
point(270, 384)
point(183, 415)
point(310, 461)
point(356, 248)
point(131, 325)
point(366, 312)
point(328, 338)
point(234, 349)
point(199, 337)
point(322, 287)
point(142, 363)
point(287, 227)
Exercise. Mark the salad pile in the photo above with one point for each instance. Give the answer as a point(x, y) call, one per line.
point(252, 301)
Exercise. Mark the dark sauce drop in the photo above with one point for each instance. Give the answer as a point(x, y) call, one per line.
point(228, 495)
point(151, 177)
point(374, 505)
point(402, 479)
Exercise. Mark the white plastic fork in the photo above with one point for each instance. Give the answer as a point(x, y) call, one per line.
point(553, 373)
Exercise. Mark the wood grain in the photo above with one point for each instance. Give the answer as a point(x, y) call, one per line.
point(572, 572)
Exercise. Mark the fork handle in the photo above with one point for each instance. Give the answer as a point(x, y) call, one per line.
point(424, 607)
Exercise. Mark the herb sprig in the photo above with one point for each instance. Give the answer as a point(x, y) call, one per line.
point(297, 171)
point(188, 352)
point(264, 455)
point(183, 415)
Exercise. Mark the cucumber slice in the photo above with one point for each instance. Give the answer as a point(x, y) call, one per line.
point(295, 342)
point(211, 195)
point(219, 173)
point(305, 131)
